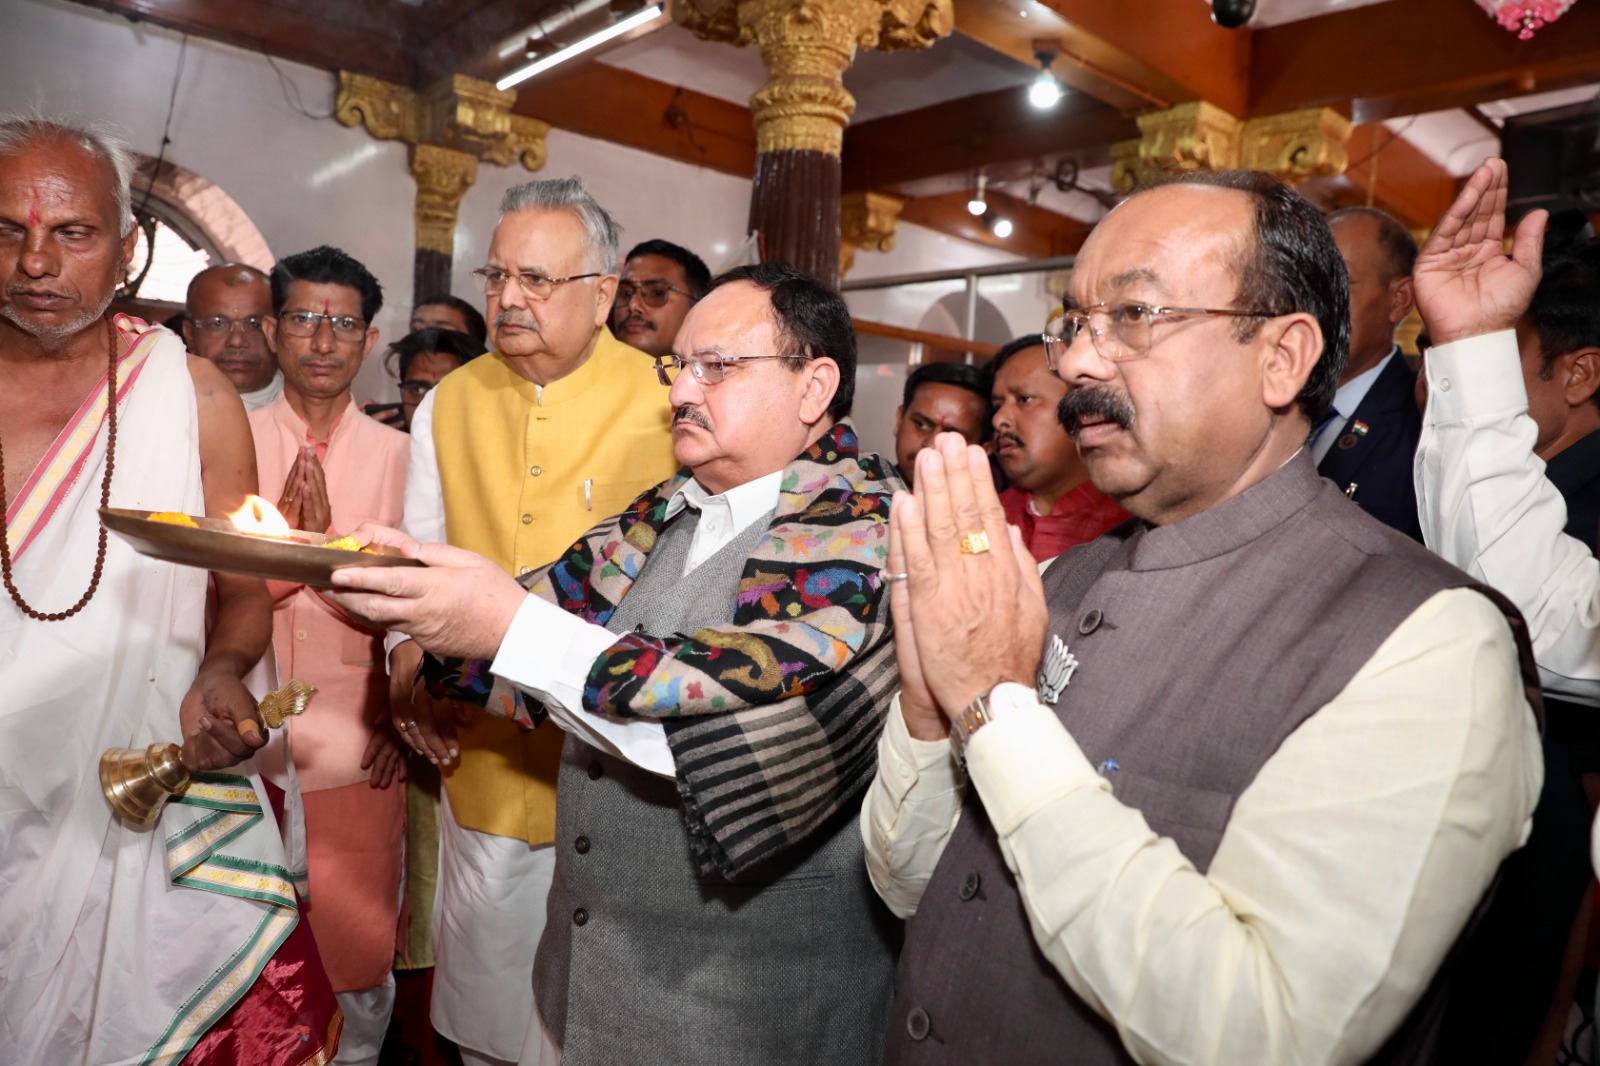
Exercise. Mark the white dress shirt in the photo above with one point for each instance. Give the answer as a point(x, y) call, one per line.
point(548, 652)
point(1345, 401)
point(1485, 505)
point(1346, 871)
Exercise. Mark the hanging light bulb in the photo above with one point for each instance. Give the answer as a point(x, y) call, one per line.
point(1046, 90)
point(1003, 228)
point(979, 204)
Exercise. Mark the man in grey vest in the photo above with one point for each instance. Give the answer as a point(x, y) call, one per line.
point(1228, 784)
point(719, 654)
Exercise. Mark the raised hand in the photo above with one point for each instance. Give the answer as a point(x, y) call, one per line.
point(978, 613)
point(1465, 283)
point(917, 705)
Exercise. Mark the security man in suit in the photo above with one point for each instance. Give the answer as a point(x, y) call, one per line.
point(1366, 443)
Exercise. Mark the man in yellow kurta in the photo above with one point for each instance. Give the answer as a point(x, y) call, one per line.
point(514, 455)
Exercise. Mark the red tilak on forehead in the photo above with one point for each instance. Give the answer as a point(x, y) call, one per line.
point(33, 207)
point(324, 308)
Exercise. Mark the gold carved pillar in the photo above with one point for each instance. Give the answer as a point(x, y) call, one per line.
point(450, 126)
point(801, 112)
point(1293, 145)
point(867, 220)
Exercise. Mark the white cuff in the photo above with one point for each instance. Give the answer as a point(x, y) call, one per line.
point(1024, 758)
point(548, 652)
point(1475, 378)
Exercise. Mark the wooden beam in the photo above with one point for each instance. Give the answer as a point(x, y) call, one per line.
point(1169, 49)
point(937, 341)
point(1405, 182)
point(460, 43)
point(1416, 56)
point(1038, 233)
point(622, 107)
point(360, 35)
point(990, 129)
point(1013, 30)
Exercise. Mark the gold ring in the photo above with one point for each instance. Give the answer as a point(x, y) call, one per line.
point(405, 727)
point(975, 543)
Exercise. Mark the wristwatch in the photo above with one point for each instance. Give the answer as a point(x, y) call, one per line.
point(984, 708)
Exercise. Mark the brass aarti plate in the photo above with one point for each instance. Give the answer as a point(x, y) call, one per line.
point(213, 544)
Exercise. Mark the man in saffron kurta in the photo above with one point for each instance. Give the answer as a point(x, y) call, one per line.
point(514, 455)
point(181, 942)
point(332, 468)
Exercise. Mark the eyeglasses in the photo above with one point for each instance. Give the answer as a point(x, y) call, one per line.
point(708, 368)
point(653, 293)
point(415, 390)
point(533, 286)
point(1124, 330)
point(306, 324)
point(219, 324)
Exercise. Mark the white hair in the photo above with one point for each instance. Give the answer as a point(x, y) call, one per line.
point(19, 131)
point(601, 233)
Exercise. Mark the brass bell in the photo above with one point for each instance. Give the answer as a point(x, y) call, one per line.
point(138, 782)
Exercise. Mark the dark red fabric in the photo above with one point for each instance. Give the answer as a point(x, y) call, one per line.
point(1077, 518)
point(288, 1017)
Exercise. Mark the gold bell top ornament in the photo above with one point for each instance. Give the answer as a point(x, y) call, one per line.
point(137, 782)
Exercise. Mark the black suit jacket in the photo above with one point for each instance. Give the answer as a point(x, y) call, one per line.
point(1378, 462)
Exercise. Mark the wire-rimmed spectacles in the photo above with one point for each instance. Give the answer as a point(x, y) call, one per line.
point(534, 286)
point(306, 324)
point(1123, 330)
point(654, 293)
point(223, 324)
point(708, 368)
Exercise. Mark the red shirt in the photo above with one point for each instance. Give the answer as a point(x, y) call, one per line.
point(1077, 518)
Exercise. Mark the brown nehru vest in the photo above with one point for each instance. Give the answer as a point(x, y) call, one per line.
point(1202, 645)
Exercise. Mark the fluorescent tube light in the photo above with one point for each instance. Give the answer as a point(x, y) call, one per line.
point(617, 29)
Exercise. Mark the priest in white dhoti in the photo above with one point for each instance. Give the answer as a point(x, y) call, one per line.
point(180, 942)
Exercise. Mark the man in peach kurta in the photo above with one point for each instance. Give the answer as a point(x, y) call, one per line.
point(332, 468)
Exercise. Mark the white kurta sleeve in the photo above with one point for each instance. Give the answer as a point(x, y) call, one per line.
point(909, 812)
point(1347, 870)
point(1486, 506)
point(547, 653)
point(424, 505)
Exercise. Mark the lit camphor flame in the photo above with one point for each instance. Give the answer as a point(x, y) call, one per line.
point(260, 518)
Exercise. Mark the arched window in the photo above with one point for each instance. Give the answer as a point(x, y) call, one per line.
point(185, 225)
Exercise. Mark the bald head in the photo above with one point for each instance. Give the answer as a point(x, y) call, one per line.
point(226, 306)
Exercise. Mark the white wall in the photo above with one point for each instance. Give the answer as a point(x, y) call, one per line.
point(306, 181)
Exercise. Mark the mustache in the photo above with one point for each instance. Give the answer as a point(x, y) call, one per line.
point(18, 289)
point(691, 414)
point(1101, 401)
point(510, 317)
point(1012, 437)
point(636, 322)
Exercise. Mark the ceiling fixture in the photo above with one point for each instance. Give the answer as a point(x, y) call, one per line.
point(979, 202)
point(1522, 17)
point(594, 40)
point(1002, 228)
point(1046, 90)
point(1232, 14)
